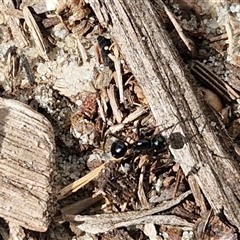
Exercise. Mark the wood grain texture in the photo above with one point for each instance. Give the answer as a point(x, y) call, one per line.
point(136, 26)
point(27, 165)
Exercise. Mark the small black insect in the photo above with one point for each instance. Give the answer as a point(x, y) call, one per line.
point(104, 45)
point(154, 145)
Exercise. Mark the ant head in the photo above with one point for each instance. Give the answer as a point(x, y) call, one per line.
point(118, 149)
point(177, 140)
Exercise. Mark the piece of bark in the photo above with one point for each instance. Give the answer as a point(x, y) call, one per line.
point(136, 26)
point(27, 166)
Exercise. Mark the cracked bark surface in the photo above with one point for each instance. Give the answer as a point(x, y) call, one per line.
point(136, 26)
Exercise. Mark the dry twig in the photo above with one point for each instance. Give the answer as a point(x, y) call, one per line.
point(113, 102)
point(105, 222)
point(75, 186)
point(214, 82)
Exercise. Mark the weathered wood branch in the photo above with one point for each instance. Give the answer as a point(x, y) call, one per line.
point(27, 165)
point(137, 28)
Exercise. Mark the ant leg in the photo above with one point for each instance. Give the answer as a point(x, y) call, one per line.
point(146, 129)
point(184, 120)
point(104, 143)
point(138, 129)
point(173, 136)
point(116, 136)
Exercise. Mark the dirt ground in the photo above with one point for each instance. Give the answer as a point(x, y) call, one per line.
point(114, 175)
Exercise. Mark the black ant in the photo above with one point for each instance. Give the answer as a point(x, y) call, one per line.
point(152, 145)
point(156, 144)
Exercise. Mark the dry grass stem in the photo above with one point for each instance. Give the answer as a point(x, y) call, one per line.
point(229, 32)
point(75, 186)
point(101, 111)
point(223, 36)
point(141, 194)
point(35, 31)
point(189, 43)
point(117, 65)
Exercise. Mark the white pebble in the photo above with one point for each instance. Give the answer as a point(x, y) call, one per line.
point(187, 235)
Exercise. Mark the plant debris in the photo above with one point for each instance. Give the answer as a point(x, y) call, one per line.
point(57, 58)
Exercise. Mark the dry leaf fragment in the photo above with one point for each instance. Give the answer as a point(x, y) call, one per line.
point(79, 14)
point(118, 186)
point(89, 105)
point(150, 231)
point(82, 28)
point(51, 21)
point(212, 99)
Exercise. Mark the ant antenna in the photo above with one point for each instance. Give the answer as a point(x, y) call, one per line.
point(177, 140)
point(119, 138)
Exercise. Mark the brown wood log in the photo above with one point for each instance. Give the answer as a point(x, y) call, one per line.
point(27, 165)
point(136, 26)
